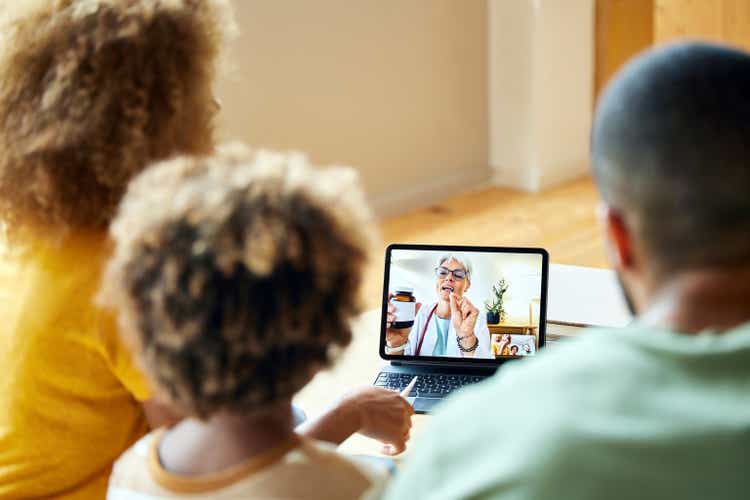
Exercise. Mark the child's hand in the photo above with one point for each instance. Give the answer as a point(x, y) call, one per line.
point(383, 415)
point(373, 411)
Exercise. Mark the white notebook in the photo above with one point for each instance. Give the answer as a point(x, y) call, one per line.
point(585, 296)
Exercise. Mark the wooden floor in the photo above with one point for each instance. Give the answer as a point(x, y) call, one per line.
point(562, 220)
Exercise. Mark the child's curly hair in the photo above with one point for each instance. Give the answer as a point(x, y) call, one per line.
point(94, 90)
point(237, 275)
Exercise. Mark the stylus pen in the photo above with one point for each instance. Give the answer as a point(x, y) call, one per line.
point(408, 388)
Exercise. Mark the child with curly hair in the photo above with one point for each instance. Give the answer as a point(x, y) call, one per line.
point(236, 277)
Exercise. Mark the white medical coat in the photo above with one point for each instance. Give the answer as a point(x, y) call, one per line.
point(430, 336)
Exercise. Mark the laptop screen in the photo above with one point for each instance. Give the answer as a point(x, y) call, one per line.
point(461, 304)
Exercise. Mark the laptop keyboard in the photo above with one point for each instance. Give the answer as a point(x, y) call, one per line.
point(431, 385)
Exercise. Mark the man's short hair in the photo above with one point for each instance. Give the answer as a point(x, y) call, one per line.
point(671, 150)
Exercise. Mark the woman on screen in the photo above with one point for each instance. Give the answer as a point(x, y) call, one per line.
point(450, 326)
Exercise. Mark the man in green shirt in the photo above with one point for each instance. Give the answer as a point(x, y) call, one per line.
point(660, 409)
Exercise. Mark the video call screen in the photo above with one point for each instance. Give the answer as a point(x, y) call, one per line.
point(462, 304)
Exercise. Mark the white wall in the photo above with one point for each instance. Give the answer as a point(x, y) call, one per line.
point(541, 90)
point(396, 88)
point(421, 96)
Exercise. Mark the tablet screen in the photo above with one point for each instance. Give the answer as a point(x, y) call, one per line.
point(483, 304)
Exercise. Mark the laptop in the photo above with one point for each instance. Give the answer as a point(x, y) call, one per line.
point(452, 315)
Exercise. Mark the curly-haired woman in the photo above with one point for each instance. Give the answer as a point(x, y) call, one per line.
point(236, 277)
point(91, 91)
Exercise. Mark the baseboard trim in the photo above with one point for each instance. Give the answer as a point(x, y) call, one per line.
point(561, 176)
point(531, 182)
point(522, 179)
point(433, 191)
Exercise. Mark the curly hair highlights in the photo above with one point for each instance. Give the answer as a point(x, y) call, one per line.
point(236, 275)
point(94, 90)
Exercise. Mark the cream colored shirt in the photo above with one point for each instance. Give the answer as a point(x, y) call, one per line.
point(299, 468)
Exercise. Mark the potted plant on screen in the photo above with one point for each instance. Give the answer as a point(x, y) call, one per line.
point(494, 305)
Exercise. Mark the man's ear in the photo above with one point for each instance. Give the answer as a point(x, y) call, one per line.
point(619, 237)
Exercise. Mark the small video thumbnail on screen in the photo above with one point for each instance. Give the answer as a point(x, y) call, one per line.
point(480, 305)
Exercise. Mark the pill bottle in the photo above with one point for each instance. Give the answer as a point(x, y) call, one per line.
point(405, 303)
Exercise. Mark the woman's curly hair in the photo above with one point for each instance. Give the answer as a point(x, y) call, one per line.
point(94, 90)
point(236, 275)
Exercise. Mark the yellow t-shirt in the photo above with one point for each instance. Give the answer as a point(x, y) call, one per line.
point(68, 388)
point(498, 352)
point(298, 469)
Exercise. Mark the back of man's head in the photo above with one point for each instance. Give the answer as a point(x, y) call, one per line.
point(671, 151)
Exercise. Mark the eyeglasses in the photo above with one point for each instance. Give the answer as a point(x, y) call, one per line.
point(443, 272)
